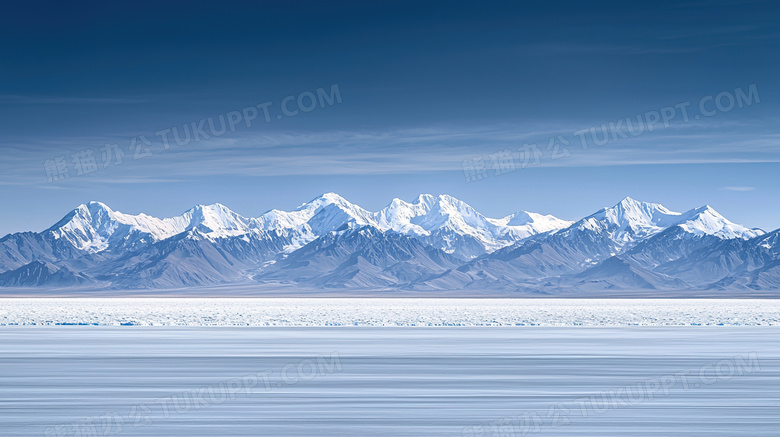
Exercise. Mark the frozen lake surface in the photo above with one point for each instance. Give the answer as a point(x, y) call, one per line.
point(387, 312)
point(467, 381)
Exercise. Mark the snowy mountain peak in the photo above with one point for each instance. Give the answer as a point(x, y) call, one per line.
point(630, 220)
point(332, 199)
point(90, 226)
point(706, 221)
point(456, 227)
point(426, 199)
point(442, 201)
point(213, 210)
point(90, 212)
point(706, 209)
point(628, 200)
point(635, 211)
point(214, 221)
point(325, 213)
point(539, 222)
point(94, 227)
point(429, 213)
point(94, 205)
point(324, 200)
point(631, 212)
point(519, 218)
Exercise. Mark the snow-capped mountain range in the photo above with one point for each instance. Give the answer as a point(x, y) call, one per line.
point(433, 243)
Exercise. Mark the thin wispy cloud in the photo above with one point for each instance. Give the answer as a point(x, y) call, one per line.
point(401, 151)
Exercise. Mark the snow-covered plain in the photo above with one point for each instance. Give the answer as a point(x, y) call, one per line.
point(395, 312)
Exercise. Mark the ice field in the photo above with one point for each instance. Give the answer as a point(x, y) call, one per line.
point(387, 312)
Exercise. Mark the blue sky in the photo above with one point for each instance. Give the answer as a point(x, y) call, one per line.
point(423, 87)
